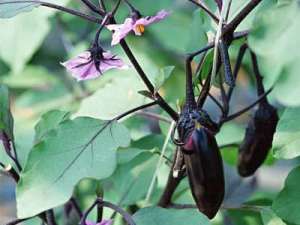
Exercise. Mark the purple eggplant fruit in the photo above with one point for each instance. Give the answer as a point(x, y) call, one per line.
point(258, 139)
point(205, 171)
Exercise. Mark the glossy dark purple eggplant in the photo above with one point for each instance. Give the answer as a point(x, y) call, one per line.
point(258, 139)
point(205, 171)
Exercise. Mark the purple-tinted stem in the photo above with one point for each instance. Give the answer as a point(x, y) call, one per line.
point(8, 144)
point(127, 217)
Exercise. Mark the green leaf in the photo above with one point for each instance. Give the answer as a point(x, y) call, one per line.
point(244, 217)
point(160, 216)
point(176, 25)
point(113, 99)
point(79, 148)
point(18, 42)
point(230, 133)
point(10, 8)
point(162, 76)
point(6, 119)
point(275, 40)
point(48, 122)
point(287, 136)
point(131, 181)
point(249, 21)
point(287, 203)
point(270, 218)
point(197, 33)
point(32, 77)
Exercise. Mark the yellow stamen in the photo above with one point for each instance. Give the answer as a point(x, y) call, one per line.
point(197, 125)
point(140, 28)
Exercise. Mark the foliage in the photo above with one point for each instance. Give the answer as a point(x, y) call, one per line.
point(66, 139)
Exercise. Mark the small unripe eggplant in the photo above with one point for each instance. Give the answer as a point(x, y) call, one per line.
point(205, 171)
point(258, 139)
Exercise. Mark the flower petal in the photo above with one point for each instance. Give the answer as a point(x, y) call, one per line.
point(83, 68)
point(120, 30)
point(152, 19)
point(103, 222)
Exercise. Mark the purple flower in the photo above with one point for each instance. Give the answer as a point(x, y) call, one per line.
point(88, 65)
point(134, 24)
point(103, 222)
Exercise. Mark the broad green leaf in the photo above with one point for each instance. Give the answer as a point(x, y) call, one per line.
point(176, 25)
point(31, 77)
point(244, 217)
point(275, 40)
point(197, 33)
point(19, 42)
point(249, 21)
point(10, 8)
point(113, 99)
point(160, 216)
point(145, 144)
point(48, 122)
point(131, 181)
point(229, 134)
point(6, 119)
point(79, 148)
point(270, 218)
point(161, 76)
point(286, 205)
point(287, 136)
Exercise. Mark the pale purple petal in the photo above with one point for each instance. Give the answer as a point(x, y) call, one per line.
point(83, 68)
point(120, 30)
point(103, 222)
point(145, 21)
point(111, 62)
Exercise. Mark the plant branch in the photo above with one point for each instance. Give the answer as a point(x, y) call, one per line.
point(50, 217)
point(160, 161)
point(17, 221)
point(76, 206)
point(258, 76)
point(93, 7)
point(154, 116)
point(237, 114)
point(237, 67)
point(10, 150)
point(160, 101)
point(172, 183)
point(230, 28)
point(224, 207)
point(206, 9)
point(98, 201)
point(60, 8)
